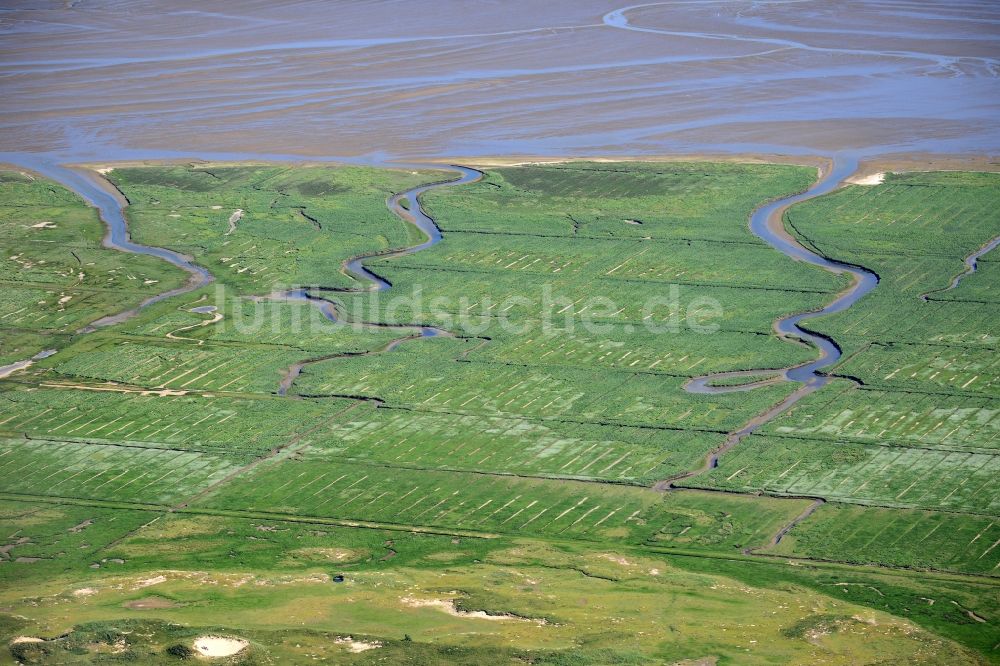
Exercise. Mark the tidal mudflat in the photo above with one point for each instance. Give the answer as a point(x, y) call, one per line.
point(111, 80)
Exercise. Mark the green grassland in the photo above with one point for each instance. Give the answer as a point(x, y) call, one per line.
point(914, 231)
point(673, 201)
point(272, 583)
point(493, 489)
point(56, 277)
point(510, 444)
point(94, 471)
point(917, 425)
point(921, 539)
point(717, 522)
point(923, 420)
point(238, 427)
point(869, 474)
point(51, 540)
point(448, 500)
point(298, 223)
point(446, 382)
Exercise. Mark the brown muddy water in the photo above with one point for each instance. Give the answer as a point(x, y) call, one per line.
point(375, 81)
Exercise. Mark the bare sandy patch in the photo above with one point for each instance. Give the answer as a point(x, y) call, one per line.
point(26, 639)
point(539, 160)
point(329, 554)
point(8, 370)
point(356, 646)
point(104, 171)
point(233, 219)
point(876, 178)
point(84, 592)
point(147, 582)
point(617, 559)
point(448, 606)
point(44, 225)
point(112, 389)
point(219, 646)
point(921, 162)
point(81, 526)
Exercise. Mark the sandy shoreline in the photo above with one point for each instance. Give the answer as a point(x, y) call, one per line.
point(818, 161)
point(903, 162)
point(900, 162)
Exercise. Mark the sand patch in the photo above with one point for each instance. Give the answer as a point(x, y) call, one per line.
point(233, 219)
point(113, 389)
point(328, 554)
point(82, 526)
point(219, 646)
point(871, 179)
point(147, 582)
point(8, 370)
point(105, 170)
point(84, 592)
point(356, 646)
point(617, 559)
point(26, 639)
point(448, 606)
point(44, 225)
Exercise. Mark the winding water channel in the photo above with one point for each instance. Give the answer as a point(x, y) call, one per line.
point(110, 205)
point(766, 223)
point(406, 206)
point(971, 265)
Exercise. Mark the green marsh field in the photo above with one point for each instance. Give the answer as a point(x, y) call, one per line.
point(495, 460)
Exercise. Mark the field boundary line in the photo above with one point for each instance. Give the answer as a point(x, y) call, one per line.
point(854, 440)
point(163, 509)
point(444, 268)
point(541, 476)
point(904, 572)
point(288, 447)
